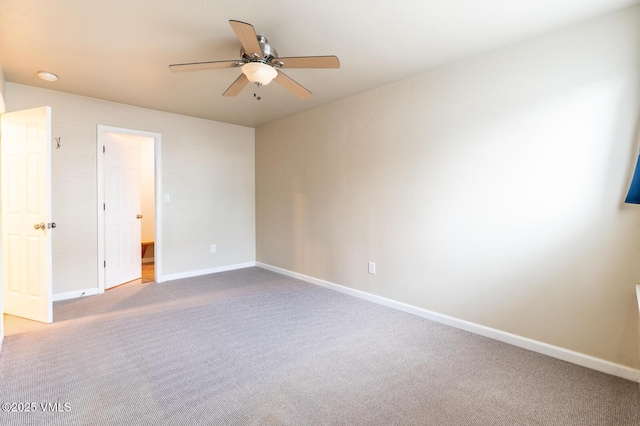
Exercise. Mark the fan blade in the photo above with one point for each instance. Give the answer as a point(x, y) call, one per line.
point(236, 86)
point(196, 66)
point(309, 62)
point(291, 85)
point(247, 36)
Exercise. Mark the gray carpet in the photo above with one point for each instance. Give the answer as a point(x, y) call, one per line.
point(251, 347)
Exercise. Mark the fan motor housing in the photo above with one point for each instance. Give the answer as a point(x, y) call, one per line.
point(268, 52)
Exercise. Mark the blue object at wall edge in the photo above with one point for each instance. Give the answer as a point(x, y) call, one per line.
point(633, 197)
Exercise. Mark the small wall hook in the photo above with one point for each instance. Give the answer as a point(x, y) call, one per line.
point(58, 143)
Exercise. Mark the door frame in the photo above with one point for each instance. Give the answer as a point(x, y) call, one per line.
point(157, 245)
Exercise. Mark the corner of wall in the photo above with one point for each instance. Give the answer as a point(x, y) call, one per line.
point(3, 106)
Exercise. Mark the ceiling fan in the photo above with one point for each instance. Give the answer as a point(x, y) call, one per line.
point(260, 64)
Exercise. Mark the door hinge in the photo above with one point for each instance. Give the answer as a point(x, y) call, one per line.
point(103, 150)
point(105, 263)
point(104, 206)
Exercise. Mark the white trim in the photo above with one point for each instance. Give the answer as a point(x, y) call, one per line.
point(199, 272)
point(49, 266)
point(502, 336)
point(638, 295)
point(100, 212)
point(75, 294)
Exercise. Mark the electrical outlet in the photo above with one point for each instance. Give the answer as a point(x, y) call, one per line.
point(167, 198)
point(372, 268)
point(213, 248)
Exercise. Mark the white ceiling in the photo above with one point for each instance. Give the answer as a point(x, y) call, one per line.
point(119, 50)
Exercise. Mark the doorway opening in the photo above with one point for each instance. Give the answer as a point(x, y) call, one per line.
point(129, 207)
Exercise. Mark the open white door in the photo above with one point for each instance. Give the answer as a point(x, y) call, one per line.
point(26, 214)
point(122, 209)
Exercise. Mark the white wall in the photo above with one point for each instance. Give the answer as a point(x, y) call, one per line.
point(2, 90)
point(207, 168)
point(489, 190)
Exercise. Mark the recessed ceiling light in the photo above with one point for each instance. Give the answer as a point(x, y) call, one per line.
point(47, 76)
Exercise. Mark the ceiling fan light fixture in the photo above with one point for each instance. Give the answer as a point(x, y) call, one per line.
point(259, 73)
point(260, 63)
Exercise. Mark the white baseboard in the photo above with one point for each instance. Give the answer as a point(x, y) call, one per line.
point(199, 272)
point(74, 294)
point(638, 295)
point(502, 336)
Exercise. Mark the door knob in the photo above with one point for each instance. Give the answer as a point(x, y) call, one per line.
point(51, 225)
point(39, 226)
point(138, 216)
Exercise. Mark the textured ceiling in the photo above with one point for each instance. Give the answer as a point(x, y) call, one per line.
point(120, 50)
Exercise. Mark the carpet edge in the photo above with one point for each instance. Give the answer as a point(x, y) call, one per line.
point(557, 352)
